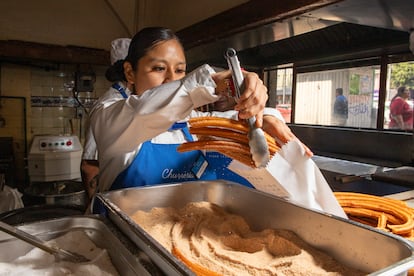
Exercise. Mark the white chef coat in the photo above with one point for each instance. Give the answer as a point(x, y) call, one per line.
point(90, 151)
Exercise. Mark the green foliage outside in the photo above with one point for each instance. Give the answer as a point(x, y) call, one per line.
point(354, 84)
point(402, 74)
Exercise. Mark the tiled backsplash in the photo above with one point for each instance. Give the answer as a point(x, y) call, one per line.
point(54, 109)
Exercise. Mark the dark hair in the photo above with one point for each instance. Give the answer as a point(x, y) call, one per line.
point(116, 72)
point(340, 91)
point(145, 40)
point(400, 91)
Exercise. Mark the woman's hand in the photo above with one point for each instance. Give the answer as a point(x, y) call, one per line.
point(252, 100)
point(281, 131)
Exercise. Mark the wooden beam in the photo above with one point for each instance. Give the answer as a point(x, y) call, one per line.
point(12, 50)
point(246, 16)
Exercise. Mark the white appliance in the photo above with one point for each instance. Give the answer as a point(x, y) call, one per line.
point(54, 158)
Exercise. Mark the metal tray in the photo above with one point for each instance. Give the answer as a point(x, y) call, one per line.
point(353, 244)
point(98, 231)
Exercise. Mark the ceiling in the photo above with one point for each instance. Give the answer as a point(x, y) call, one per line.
point(77, 31)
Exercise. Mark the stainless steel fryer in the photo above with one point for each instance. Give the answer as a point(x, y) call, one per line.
point(351, 243)
point(122, 255)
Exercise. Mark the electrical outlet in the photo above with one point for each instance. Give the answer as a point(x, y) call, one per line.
point(84, 81)
point(79, 112)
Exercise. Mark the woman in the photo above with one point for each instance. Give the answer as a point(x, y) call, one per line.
point(401, 114)
point(340, 108)
point(137, 137)
point(114, 74)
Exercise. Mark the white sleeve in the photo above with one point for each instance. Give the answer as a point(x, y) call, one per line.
point(268, 111)
point(121, 127)
point(89, 150)
point(126, 124)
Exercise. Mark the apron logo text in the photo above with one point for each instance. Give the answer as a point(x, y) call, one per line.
point(169, 174)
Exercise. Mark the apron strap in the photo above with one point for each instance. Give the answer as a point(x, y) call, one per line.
point(187, 134)
point(120, 89)
point(184, 129)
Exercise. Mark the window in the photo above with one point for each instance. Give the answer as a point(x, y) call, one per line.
point(280, 91)
point(356, 104)
point(345, 94)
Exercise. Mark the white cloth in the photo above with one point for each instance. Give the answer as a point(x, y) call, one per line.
point(121, 127)
point(90, 151)
point(292, 175)
point(10, 199)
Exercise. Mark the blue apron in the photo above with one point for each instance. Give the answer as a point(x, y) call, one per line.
point(161, 163)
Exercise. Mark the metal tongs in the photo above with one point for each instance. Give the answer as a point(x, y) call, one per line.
point(59, 253)
point(257, 141)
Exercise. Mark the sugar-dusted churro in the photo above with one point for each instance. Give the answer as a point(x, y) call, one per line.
point(226, 136)
point(233, 150)
point(391, 215)
point(196, 268)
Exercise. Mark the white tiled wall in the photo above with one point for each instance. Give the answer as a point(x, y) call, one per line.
point(53, 88)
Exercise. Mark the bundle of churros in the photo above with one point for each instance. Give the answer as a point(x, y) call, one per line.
point(226, 136)
point(383, 213)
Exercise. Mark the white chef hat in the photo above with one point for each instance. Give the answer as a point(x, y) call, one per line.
point(119, 49)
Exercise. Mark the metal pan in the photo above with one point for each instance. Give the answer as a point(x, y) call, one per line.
point(353, 244)
point(100, 233)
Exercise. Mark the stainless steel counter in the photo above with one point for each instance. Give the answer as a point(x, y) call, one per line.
point(336, 172)
point(407, 196)
point(346, 167)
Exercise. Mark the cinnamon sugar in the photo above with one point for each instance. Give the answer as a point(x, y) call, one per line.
point(206, 235)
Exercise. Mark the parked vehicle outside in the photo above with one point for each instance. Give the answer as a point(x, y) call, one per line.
point(285, 110)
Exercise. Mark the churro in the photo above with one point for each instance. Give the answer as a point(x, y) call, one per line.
point(234, 150)
point(196, 268)
point(226, 136)
point(391, 215)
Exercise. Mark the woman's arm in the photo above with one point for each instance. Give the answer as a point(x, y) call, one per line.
point(399, 120)
point(280, 131)
point(125, 124)
point(89, 173)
